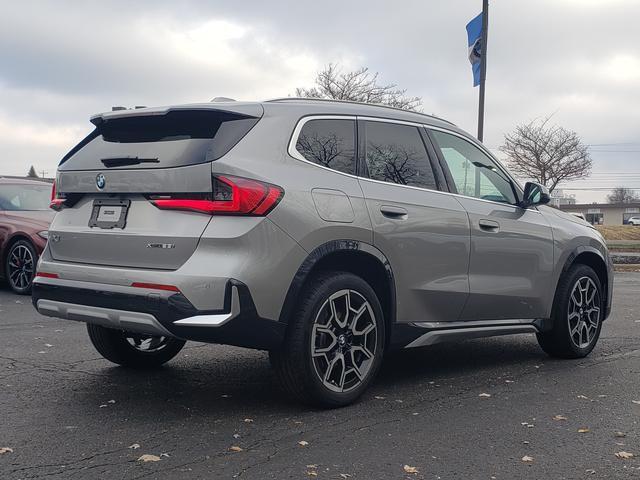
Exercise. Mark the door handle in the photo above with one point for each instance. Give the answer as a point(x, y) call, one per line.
point(390, 211)
point(489, 226)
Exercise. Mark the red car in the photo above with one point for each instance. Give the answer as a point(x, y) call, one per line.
point(24, 221)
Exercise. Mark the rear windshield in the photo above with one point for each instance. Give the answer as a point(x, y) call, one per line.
point(178, 138)
point(21, 197)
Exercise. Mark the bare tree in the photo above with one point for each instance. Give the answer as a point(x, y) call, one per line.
point(622, 195)
point(359, 86)
point(32, 173)
point(549, 154)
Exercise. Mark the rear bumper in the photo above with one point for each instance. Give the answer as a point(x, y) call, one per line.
point(164, 313)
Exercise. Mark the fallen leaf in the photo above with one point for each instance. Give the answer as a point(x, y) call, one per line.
point(344, 475)
point(602, 396)
point(409, 469)
point(48, 345)
point(4, 450)
point(236, 435)
point(508, 381)
point(637, 402)
point(235, 448)
point(248, 420)
point(312, 473)
point(620, 434)
point(590, 471)
point(527, 459)
point(303, 443)
point(583, 430)
point(225, 396)
point(485, 395)
point(149, 458)
point(134, 446)
point(165, 455)
point(378, 397)
point(111, 401)
point(530, 425)
point(624, 455)
point(559, 418)
point(582, 397)
point(104, 405)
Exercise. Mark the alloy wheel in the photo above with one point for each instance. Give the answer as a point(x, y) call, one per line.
point(583, 312)
point(21, 267)
point(344, 341)
point(146, 343)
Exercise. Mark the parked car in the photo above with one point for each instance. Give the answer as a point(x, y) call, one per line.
point(324, 232)
point(24, 220)
point(635, 221)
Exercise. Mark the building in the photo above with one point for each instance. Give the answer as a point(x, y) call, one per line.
point(558, 198)
point(605, 213)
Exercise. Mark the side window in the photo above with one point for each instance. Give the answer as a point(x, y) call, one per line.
point(330, 143)
point(396, 153)
point(473, 172)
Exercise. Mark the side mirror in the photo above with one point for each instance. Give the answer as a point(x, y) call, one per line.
point(535, 194)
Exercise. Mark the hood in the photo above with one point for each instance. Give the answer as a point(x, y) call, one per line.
point(568, 216)
point(37, 218)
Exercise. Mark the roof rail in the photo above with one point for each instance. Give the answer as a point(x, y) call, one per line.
point(352, 102)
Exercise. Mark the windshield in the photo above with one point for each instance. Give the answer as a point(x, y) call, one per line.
point(25, 197)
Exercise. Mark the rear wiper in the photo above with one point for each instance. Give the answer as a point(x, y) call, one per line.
point(125, 161)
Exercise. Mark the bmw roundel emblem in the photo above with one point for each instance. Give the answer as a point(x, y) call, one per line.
point(100, 181)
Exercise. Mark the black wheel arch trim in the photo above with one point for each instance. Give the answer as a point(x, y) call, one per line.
point(608, 287)
point(323, 251)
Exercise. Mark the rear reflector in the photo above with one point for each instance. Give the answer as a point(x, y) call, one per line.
point(46, 275)
point(156, 286)
point(231, 196)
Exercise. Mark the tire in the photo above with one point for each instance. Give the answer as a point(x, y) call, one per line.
point(348, 349)
point(576, 329)
point(117, 346)
point(20, 266)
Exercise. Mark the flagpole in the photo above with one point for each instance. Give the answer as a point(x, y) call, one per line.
point(483, 67)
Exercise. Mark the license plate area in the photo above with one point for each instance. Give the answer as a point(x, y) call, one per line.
point(109, 213)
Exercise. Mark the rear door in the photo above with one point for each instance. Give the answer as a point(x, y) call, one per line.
point(130, 158)
point(423, 232)
point(511, 261)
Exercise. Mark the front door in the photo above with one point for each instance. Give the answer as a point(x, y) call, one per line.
point(511, 261)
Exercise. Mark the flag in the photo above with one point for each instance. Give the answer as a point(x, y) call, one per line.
point(474, 34)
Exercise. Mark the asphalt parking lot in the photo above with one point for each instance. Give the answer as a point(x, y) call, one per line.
point(472, 410)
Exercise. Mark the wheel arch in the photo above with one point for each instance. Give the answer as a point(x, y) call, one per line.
point(592, 257)
point(357, 257)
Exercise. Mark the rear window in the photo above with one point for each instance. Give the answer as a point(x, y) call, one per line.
point(330, 143)
point(177, 138)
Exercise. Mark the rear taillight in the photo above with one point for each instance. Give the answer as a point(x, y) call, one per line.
point(230, 196)
point(56, 202)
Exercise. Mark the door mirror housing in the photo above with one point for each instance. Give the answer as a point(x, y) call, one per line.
point(535, 194)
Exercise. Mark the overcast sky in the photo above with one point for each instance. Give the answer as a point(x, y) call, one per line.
point(61, 61)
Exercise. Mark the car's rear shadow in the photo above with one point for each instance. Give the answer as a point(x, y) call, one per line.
point(206, 380)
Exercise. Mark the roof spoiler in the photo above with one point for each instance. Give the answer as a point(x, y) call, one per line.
point(250, 110)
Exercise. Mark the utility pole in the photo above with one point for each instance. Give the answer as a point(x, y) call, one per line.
point(483, 67)
point(43, 173)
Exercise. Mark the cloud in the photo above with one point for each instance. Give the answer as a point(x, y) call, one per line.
point(60, 62)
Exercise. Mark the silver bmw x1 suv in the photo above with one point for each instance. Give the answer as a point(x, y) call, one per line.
point(324, 232)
